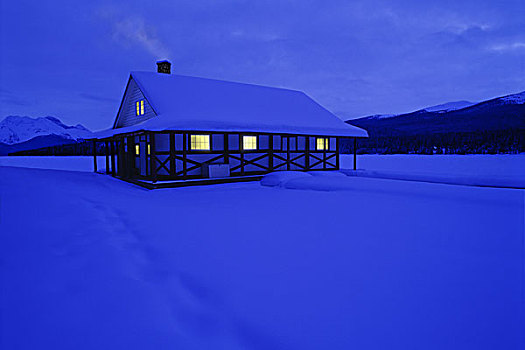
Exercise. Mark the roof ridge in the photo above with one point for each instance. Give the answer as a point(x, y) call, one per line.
point(217, 80)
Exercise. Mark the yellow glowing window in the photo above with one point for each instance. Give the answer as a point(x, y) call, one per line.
point(140, 107)
point(249, 142)
point(149, 149)
point(137, 149)
point(322, 144)
point(200, 142)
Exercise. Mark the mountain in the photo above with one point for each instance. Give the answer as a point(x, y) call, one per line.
point(379, 116)
point(500, 113)
point(24, 133)
point(450, 106)
point(496, 125)
point(16, 129)
point(445, 107)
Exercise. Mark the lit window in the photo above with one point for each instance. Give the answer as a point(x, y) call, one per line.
point(137, 149)
point(249, 142)
point(149, 149)
point(322, 144)
point(140, 107)
point(200, 142)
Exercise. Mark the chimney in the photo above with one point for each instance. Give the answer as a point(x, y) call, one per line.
point(164, 67)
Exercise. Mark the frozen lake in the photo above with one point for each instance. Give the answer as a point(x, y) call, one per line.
point(88, 261)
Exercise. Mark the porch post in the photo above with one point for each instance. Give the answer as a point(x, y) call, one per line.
point(152, 158)
point(226, 148)
point(241, 153)
point(288, 152)
point(337, 153)
point(270, 153)
point(355, 153)
point(112, 143)
point(324, 151)
point(130, 156)
point(107, 156)
point(307, 152)
point(121, 162)
point(94, 156)
point(172, 154)
point(184, 155)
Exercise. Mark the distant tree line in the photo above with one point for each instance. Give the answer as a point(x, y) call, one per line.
point(71, 149)
point(509, 141)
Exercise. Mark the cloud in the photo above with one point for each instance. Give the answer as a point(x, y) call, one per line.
point(7, 97)
point(135, 30)
point(261, 36)
point(508, 47)
point(97, 98)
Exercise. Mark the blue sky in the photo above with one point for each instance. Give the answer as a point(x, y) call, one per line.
point(72, 59)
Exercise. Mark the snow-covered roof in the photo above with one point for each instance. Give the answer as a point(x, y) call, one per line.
point(191, 103)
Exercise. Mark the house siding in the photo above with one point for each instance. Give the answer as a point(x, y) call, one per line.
point(127, 115)
point(285, 152)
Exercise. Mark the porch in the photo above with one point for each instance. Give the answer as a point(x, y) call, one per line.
point(156, 159)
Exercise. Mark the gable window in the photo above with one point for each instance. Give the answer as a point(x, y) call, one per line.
point(200, 142)
point(322, 144)
point(140, 107)
point(249, 142)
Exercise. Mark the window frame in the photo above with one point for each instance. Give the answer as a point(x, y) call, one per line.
point(325, 143)
point(256, 142)
point(139, 108)
point(190, 143)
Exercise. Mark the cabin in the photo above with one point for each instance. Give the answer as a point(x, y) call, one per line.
point(175, 130)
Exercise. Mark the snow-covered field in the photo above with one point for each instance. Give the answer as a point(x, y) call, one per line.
point(51, 162)
point(88, 261)
point(497, 166)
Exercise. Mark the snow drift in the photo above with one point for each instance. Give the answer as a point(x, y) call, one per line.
point(91, 262)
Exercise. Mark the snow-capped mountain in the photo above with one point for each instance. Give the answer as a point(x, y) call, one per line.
point(449, 106)
point(17, 129)
point(501, 113)
point(513, 99)
point(441, 108)
point(381, 116)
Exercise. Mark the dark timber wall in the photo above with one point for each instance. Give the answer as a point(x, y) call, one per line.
point(167, 155)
